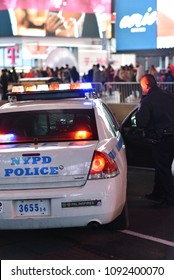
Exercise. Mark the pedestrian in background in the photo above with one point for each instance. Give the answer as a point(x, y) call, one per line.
point(154, 72)
point(97, 79)
point(110, 74)
point(103, 74)
point(4, 82)
point(140, 71)
point(156, 114)
point(91, 74)
point(74, 74)
point(66, 74)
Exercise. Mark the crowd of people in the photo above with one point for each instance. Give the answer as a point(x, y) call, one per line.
point(131, 73)
point(96, 74)
point(61, 75)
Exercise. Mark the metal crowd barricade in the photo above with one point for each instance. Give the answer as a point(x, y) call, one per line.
point(168, 86)
point(129, 92)
point(122, 92)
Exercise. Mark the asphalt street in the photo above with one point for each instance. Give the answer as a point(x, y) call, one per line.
point(150, 235)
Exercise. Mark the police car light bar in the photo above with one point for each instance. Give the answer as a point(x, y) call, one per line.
point(52, 91)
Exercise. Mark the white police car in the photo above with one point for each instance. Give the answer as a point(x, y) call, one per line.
point(63, 160)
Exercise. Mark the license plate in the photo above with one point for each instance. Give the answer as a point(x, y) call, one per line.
point(38, 207)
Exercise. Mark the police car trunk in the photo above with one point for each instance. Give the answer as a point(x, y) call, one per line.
point(41, 146)
point(45, 146)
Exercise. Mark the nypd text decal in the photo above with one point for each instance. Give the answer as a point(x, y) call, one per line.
point(30, 166)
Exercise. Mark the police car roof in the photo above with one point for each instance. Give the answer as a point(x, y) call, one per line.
point(31, 105)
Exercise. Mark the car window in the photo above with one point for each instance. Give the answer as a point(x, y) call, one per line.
point(130, 121)
point(48, 125)
point(110, 120)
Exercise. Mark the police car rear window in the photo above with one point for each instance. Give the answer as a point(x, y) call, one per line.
point(49, 125)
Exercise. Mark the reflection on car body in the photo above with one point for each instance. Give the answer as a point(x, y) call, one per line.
point(63, 160)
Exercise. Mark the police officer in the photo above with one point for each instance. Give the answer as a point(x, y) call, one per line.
point(156, 113)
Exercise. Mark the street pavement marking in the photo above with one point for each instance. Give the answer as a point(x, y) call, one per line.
point(148, 237)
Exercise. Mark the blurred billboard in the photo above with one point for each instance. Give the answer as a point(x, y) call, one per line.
point(60, 18)
point(144, 25)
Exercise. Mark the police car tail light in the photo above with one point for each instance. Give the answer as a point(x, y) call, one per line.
point(103, 166)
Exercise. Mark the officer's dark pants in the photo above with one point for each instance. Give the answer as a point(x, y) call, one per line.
point(163, 154)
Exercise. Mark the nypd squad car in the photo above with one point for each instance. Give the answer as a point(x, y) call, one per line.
point(62, 159)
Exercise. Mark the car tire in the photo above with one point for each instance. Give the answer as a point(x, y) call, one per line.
point(121, 222)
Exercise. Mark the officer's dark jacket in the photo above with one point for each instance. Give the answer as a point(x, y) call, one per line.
point(156, 111)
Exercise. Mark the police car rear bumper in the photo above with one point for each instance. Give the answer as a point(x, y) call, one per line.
point(101, 202)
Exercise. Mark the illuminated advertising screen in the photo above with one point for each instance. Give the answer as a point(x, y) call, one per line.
point(145, 24)
point(136, 24)
point(165, 24)
point(60, 18)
